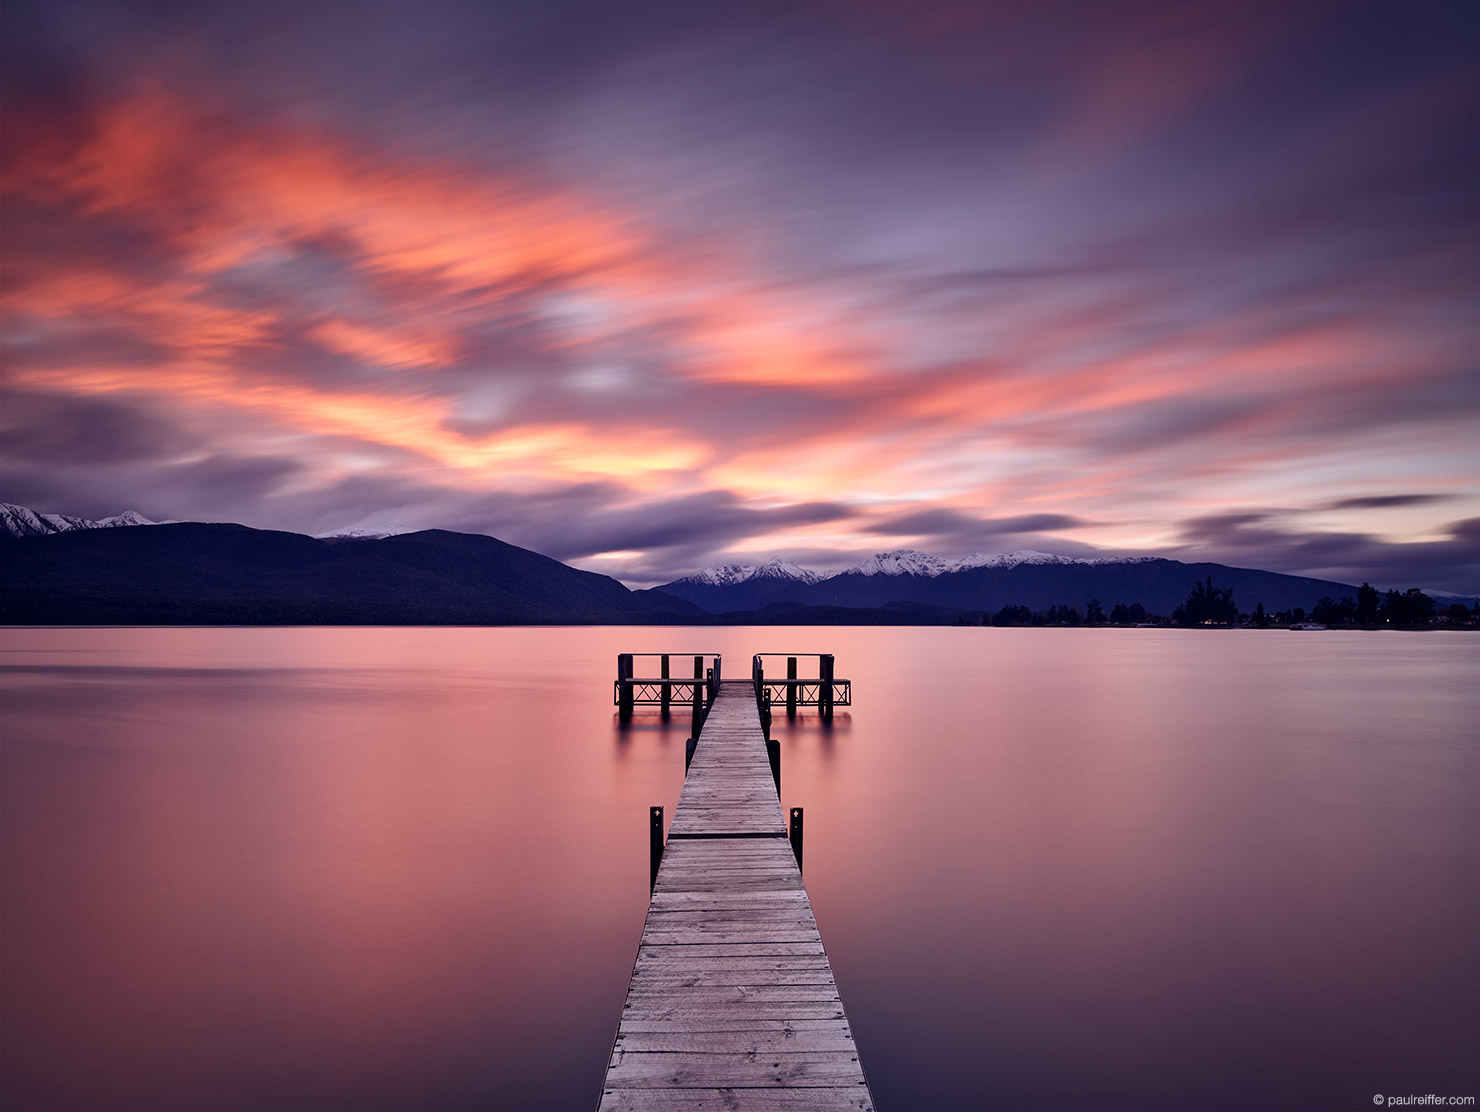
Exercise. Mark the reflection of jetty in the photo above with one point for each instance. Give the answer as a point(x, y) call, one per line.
point(732, 1003)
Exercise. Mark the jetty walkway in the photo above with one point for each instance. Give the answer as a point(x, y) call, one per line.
point(732, 1003)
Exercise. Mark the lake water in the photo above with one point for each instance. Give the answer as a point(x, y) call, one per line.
point(1054, 869)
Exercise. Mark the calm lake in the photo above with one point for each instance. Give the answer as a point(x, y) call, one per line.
point(1054, 869)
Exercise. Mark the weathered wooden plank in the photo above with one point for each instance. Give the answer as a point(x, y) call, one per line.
point(717, 1011)
point(761, 971)
point(676, 898)
point(670, 960)
point(669, 918)
point(785, 1041)
point(814, 1068)
point(749, 948)
point(685, 966)
point(724, 934)
point(845, 1099)
point(727, 978)
point(827, 1025)
point(688, 995)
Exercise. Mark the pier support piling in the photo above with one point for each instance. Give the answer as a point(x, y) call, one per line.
point(667, 695)
point(624, 686)
point(795, 833)
point(825, 687)
point(698, 694)
point(688, 753)
point(791, 688)
point(773, 750)
point(655, 843)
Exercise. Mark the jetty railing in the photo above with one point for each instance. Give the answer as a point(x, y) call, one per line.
point(824, 690)
point(664, 689)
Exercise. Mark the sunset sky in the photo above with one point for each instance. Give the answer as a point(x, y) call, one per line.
point(647, 287)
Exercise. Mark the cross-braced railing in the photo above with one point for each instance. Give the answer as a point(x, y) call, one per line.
point(824, 691)
point(808, 692)
point(666, 689)
point(650, 693)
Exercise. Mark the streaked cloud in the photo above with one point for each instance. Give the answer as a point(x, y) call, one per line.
point(657, 287)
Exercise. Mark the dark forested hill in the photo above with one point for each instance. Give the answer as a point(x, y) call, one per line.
point(194, 573)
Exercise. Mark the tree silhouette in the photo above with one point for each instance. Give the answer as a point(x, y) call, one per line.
point(1207, 605)
point(1368, 603)
point(1410, 608)
point(1094, 613)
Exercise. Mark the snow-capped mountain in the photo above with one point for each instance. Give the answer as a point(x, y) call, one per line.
point(910, 561)
point(1010, 559)
point(727, 575)
point(902, 561)
point(22, 521)
point(777, 568)
point(368, 533)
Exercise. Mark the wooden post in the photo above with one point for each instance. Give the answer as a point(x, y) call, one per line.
point(773, 750)
point(757, 677)
point(624, 686)
point(796, 837)
point(765, 709)
point(688, 753)
point(655, 843)
point(716, 673)
point(791, 688)
point(667, 696)
point(698, 694)
point(825, 689)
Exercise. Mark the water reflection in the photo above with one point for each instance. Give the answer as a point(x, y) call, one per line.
point(1053, 868)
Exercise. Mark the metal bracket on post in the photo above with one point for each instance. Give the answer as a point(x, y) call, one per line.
point(796, 837)
point(655, 843)
point(766, 709)
point(773, 750)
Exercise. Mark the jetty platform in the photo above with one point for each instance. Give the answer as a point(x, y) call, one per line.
point(732, 1003)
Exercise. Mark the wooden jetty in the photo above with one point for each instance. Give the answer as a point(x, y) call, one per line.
point(732, 1003)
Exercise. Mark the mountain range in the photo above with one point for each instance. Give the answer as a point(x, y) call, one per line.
point(193, 573)
point(990, 581)
point(21, 521)
point(72, 570)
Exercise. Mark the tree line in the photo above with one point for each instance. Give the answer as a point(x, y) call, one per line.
point(1209, 605)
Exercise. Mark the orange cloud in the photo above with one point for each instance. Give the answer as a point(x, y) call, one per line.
point(386, 347)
